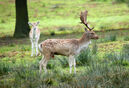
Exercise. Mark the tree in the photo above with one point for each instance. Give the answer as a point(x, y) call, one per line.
point(21, 27)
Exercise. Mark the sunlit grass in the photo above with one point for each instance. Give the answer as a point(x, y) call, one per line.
point(106, 64)
point(55, 14)
point(18, 68)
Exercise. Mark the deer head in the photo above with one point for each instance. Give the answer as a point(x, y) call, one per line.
point(89, 33)
point(34, 25)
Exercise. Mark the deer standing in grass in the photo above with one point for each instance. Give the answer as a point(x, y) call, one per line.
point(34, 35)
point(66, 47)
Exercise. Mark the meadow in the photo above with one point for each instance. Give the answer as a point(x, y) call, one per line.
point(105, 64)
point(63, 16)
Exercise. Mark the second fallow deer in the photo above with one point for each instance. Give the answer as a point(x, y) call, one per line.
point(66, 47)
point(34, 35)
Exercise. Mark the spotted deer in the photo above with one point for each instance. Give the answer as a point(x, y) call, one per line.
point(34, 35)
point(66, 47)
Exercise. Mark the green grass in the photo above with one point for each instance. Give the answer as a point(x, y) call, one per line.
point(101, 62)
point(104, 65)
point(56, 14)
point(18, 69)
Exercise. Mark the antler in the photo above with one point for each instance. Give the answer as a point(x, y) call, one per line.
point(83, 18)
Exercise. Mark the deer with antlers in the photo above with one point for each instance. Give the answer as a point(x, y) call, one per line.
point(34, 35)
point(66, 47)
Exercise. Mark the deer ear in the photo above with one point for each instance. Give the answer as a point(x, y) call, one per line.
point(30, 23)
point(86, 30)
point(38, 22)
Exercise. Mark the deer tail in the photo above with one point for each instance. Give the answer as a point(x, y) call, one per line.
point(40, 48)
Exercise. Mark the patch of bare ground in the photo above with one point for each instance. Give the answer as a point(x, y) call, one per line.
point(1, 3)
point(10, 40)
point(9, 54)
point(2, 55)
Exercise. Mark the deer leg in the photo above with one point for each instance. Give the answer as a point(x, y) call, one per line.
point(36, 48)
point(70, 63)
point(43, 63)
point(40, 64)
point(32, 48)
point(74, 63)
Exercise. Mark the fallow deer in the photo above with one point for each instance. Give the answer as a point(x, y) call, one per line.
point(34, 35)
point(66, 47)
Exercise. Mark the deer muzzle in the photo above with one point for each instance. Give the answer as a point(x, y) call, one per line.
point(95, 37)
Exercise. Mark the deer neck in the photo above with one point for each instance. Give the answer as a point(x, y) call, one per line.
point(34, 33)
point(84, 40)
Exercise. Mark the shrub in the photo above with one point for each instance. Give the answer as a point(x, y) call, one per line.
point(84, 57)
point(52, 32)
point(68, 78)
point(94, 48)
point(52, 64)
point(117, 58)
point(126, 38)
point(120, 1)
point(125, 51)
point(64, 61)
point(100, 0)
point(105, 76)
point(111, 38)
point(5, 67)
point(26, 77)
point(125, 48)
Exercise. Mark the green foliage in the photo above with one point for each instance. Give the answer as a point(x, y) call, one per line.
point(5, 66)
point(85, 57)
point(116, 58)
point(18, 69)
point(110, 72)
point(125, 50)
point(109, 38)
point(94, 48)
point(101, 0)
point(102, 75)
point(119, 58)
point(112, 38)
point(121, 1)
point(126, 38)
point(53, 64)
point(63, 61)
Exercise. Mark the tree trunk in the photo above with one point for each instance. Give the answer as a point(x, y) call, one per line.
point(21, 27)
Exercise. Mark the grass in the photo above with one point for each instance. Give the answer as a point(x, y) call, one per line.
point(105, 64)
point(25, 74)
point(101, 65)
point(56, 14)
